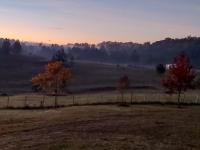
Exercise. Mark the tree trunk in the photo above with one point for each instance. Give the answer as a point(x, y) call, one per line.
point(42, 102)
point(56, 101)
point(56, 98)
point(179, 98)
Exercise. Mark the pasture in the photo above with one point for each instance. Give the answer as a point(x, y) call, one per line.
point(15, 77)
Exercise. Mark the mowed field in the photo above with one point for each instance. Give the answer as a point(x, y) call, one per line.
point(101, 128)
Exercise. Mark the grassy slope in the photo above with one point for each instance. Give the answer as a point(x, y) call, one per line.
point(88, 75)
point(102, 127)
point(16, 73)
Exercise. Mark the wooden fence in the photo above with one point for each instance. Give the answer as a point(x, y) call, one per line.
point(37, 101)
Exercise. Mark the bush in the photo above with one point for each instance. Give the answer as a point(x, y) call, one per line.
point(160, 69)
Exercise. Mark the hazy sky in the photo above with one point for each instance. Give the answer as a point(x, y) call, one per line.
point(93, 21)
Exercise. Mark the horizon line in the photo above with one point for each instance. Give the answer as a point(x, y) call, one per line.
point(95, 43)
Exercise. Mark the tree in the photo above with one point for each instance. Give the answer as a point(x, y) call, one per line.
point(54, 78)
point(180, 76)
point(16, 47)
point(123, 84)
point(160, 69)
point(6, 47)
point(60, 55)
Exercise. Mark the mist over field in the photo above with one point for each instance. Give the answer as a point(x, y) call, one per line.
point(162, 51)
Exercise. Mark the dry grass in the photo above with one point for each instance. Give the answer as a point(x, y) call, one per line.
point(101, 127)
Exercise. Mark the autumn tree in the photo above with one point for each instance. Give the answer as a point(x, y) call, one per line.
point(180, 76)
point(123, 84)
point(54, 78)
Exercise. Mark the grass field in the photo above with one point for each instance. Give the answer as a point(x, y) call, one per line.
point(101, 128)
point(15, 77)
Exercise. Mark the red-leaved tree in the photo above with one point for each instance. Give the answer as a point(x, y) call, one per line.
point(180, 76)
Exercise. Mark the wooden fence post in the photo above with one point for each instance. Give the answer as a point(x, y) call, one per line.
point(87, 101)
point(42, 102)
point(197, 99)
point(117, 98)
point(159, 100)
point(131, 97)
point(8, 100)
point(25, 102)
point(144, 98)
point(73, 99)
point(56, 100)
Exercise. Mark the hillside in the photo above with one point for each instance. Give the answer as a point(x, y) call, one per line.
point(16, 73)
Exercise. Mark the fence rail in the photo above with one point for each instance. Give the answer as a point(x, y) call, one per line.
point(84, 99)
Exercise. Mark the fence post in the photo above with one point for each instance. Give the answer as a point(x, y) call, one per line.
point(25, 102)
point(56, 100)
point(131, 97)
point(73, 99)
point(117, 98)
point(8, 100)
point(183, 99)
point(144, 98)
point(197, 99)
point(87, 101)
point(42, 102)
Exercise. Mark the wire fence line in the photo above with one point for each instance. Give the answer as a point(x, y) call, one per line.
point(33, 101)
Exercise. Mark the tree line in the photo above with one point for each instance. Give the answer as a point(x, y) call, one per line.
point(9, 47)
point(160, 52)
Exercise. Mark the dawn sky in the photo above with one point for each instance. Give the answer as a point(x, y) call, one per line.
point(94, 21)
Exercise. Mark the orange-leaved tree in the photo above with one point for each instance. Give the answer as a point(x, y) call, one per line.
point(180, 76)
point(54, 78)
point(123, 84)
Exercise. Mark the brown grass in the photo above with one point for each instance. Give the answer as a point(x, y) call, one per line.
point(101, 127)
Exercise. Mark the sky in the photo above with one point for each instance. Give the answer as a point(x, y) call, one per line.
point(94, 21)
